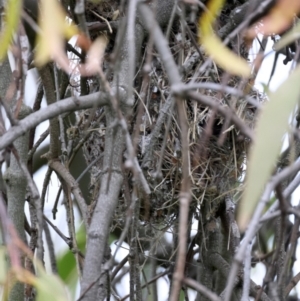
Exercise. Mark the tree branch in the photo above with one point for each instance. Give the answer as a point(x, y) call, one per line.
point(51, 111)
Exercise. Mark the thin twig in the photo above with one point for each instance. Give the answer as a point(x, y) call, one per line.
point(201, 289)
point(61, 170)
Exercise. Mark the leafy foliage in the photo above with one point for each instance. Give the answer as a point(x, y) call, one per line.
point(11, 19)
point(273, 123)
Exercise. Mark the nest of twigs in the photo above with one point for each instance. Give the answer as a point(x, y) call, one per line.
point(217, 149)
point(217, 155)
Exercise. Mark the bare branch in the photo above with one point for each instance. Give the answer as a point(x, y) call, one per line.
point(53, 110)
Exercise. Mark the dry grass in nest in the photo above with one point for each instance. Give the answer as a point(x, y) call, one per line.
point(217, 150)
point(217, 156)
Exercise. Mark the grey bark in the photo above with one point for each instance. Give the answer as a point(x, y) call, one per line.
point(14, 177)
point(112, 178)
point(53, 110)
point(16, 192)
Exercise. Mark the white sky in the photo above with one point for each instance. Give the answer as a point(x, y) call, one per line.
point(281, 71)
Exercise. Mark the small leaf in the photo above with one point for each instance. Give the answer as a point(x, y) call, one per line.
point(278, 19)
point(66, 263)
point(273, 123)
point(94, 57)
point(288, 38)
point(214, 47)
point(225, 58)
point(50, 287)
point(11, 21)
point(54, 31)
point(116, 15)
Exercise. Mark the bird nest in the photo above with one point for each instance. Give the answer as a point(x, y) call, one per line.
point(217, 152)
point(217, 149)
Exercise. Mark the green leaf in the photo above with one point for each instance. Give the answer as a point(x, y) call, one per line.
point(273, 123)
point(50, 288)
point(66, 263)
point(11, 21)
point(181, 296)
point(3, 265)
